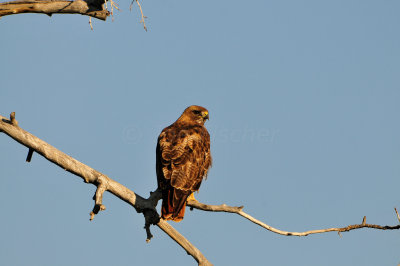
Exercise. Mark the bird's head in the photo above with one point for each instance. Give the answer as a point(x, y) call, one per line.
point(196, 114)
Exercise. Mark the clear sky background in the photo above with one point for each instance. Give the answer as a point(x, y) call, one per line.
point(304, 106)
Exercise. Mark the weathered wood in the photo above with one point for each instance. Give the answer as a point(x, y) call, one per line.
point(92, 8)
point(184, 243)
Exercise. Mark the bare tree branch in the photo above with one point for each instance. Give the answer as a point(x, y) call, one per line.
point(103, 183)
point(181, 240)
point(92, 8)
point(239, 210)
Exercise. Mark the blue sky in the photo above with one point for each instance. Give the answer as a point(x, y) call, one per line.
point(304, 106)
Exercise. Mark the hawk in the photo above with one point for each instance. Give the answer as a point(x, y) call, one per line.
point(183, 159)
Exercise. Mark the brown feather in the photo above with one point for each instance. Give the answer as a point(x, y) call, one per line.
point(183, 159)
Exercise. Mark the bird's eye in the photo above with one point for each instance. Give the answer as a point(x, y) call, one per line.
point(197, 112)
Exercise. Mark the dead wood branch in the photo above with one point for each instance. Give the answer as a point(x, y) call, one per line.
point(239, 210)
point(94, 8)
point(181, 240)
point(103, 183)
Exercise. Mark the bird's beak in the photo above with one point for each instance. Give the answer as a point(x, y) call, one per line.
point(205, 115)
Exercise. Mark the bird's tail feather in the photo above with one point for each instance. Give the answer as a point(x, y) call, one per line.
point(174, 204)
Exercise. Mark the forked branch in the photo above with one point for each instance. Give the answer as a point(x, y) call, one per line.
point(102, 182)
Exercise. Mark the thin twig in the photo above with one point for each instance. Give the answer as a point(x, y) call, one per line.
point(29, 156)
point(141, 12)
point(90, 23)
point(130, 6)
point(143, 16)
point(13, 120)
point(398, 216)
point(113, 4)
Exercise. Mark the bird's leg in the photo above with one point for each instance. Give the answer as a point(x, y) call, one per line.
point(191, 197)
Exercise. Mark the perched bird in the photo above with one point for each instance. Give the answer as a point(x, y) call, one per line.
point(183, 159)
